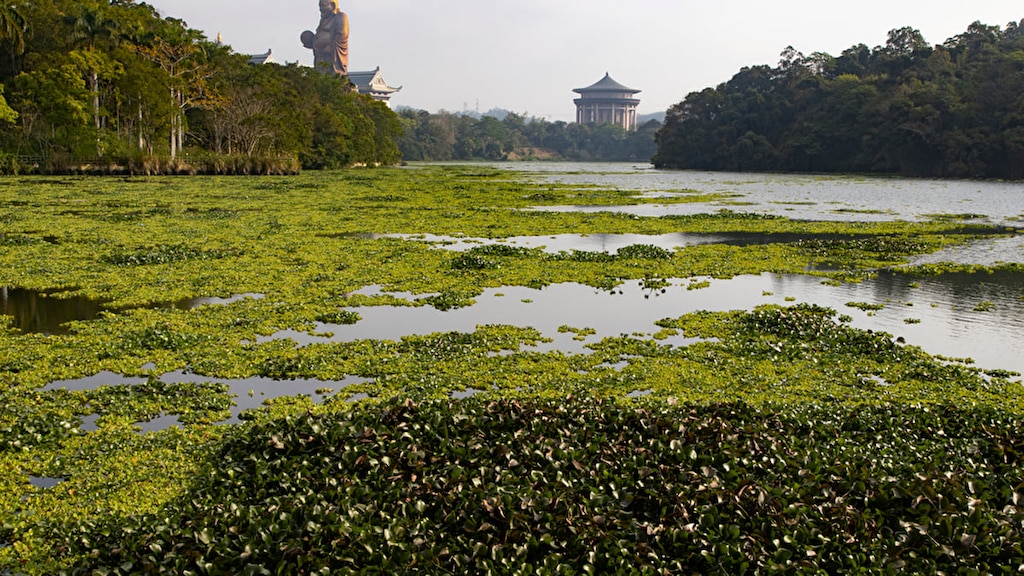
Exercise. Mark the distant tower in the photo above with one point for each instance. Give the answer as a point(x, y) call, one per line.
point(607, 102)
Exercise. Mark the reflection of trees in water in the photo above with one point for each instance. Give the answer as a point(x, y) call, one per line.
point(959, 290)
point(962, 290)
point(42, 312)
point(944, 304)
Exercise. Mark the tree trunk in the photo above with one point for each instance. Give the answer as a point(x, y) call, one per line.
point(142, 142)
point(94, 87)
point(174, 121)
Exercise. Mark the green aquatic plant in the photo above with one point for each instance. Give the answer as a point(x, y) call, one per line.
point(866, 306)
point(556, 486)
point(339, 317)
point(318, 248)
point(953, 217)
point(578, 333)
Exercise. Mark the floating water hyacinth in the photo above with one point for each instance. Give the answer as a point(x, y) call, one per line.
point(257, 341)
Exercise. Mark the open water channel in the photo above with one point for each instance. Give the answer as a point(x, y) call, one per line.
point(978, 316)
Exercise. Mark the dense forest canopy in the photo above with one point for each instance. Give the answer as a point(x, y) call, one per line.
point(447, 136)
point(112, 82)
point(951, 110)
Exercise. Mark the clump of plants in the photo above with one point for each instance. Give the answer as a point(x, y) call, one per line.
point(575, 485)
point(866, 306)
point(163, 254)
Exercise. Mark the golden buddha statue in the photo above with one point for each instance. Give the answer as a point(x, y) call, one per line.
point(330, 41)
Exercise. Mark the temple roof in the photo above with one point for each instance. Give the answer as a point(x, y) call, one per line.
point(606, 84)
point(371, 82)
point(265, 58)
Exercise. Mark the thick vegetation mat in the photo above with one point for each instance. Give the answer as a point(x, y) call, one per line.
point(575, 486)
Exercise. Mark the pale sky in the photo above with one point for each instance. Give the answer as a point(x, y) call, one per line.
point(528, 56)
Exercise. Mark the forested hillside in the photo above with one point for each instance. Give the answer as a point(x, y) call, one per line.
point(951, 110)
point(111, 85)
point(447, 136)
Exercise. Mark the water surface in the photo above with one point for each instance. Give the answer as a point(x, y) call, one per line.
point(611, 243)
point(798, 196)
point(978, 315)
point(49, 311)
point(46, 312)
point(247, 393)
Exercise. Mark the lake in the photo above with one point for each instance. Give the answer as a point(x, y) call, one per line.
point(808, 197)
point(978, 316)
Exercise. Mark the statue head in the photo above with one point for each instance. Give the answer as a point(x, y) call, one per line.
point(329, 7)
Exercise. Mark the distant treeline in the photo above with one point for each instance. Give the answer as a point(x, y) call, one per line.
point(109, 85)
point(447, 136)
point(952, 110)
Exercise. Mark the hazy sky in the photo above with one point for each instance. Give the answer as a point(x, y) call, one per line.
point(528, 56)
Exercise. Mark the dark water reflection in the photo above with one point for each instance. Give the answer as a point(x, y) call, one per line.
point(49, 311)
point(985, 252)
point(980, 315)
point(45, 312)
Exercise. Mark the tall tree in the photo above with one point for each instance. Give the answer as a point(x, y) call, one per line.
point(53, 106)
point(183, 58)
point(90, 25)
point(12, 31)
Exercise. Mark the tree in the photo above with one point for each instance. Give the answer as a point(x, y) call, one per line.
point(905, 107)
point(52, 105)
point(7, 114)
point(90, 25)
point(144, 80)
point(12, 31)
point(183, 59)
point(904, 42)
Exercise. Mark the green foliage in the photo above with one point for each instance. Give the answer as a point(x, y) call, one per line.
point(903, 108)
point(117, 88)
point(857, 252)
point(7, 114)
point(446, 136)
point(470, 261)
point(866, 306)
point(320, 246)
point(451, 298)
point(339, 317)
point(165, 254)
point(575, 485)
point(644, 251)
point(984, 306)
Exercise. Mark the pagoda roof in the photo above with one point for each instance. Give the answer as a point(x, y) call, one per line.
point(606, 84)
point(371, 82)
point(265, 58)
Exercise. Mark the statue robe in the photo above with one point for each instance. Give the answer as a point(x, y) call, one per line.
point(330, 44)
